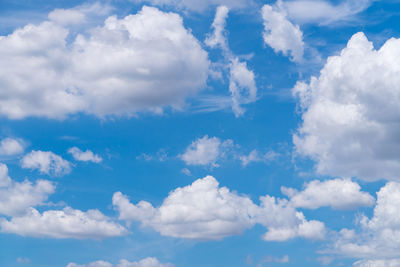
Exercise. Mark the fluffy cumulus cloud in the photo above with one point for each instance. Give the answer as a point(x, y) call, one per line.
point(46, 162)
point(242, 83)
point(337, 193)
point(84, 155)
point(280, 34)
point(142, 62)
point(377, 263)
point(350, 113)
point(11, 146)
point(66, 223)
point(205, 211)
point(377, 239)
point(324, 12)
point(146, 262)
point(17, 197)
point(206, 151)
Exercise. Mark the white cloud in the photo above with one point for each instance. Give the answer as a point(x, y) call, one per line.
point(280, 34)
point(337, 193)
point(66, 16)
point(324, 12)
point(377, 263)
point(205, 211)
point(17, 197)
point(242, 83)
point(254, 156)
point(146, 262)
point(351, 112)
point(200, 6)
point(46, 162)
point(142, 62)
point(205, 151)
point(378, 237)
point(11, 146)
point(66, 223)
point(84, 155)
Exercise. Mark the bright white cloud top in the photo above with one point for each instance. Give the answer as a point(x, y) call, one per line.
point(205, 211)
point(142, 62)
point(84, 155)
point(46, 162)
point(337, 193)
point(351, 112)
point(280, 34)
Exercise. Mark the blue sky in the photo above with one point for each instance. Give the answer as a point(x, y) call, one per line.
point(199, 133)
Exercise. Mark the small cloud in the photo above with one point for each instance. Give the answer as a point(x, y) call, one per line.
point(84, 155)
point(23, 260)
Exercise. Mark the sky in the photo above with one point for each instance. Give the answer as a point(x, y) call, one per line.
point(159, 133)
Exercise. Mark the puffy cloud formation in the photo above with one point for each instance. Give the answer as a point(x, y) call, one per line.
point(146, 262)
point(11, 146)
point(378, 237)
point(205, 211)
point(200, 6)
point(84, 155)
point(337, 193)
point(46, 162)
point(205, 151)
point(242, 83)
point(66, 223)
point(350, 112)
point(280, 34)
point(324, 12)
point(142, 62)
point(17, 197)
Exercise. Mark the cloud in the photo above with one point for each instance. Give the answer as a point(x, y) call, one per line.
point(323, 12)
point(377, 263)
point(11, 146)
point(46, 162)
point(17, 197)
point(146, 262)
point(280, 34)
point(205, 211)
point(66, 223)
point(338, 194)
point(254, 156)
point(66, 16)
point(142, 62)
point(377, 238)
point(200, 6)
point(205, 151)
point(242, 83)
point(84, 155)
point(351, 113)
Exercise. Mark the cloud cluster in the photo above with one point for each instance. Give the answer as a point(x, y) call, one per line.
point(351, 112)
point(146, 262)
point(280, 34)
point(205, 211)
point(18, 199)
point(46, 162)
point(84, 155)
point(377, 238)
point(142, 62)
point(200, 6)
